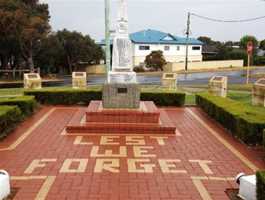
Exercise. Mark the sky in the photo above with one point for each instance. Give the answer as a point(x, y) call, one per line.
point(87, 16)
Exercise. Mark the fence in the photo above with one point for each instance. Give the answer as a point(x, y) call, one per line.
point(13, 72)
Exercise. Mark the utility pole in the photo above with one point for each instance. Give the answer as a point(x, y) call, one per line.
point(248, 72)
point(107, 34)
point(187, 42)
point(250, 48)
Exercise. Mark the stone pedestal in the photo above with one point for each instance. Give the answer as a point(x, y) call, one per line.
point(169, 80)
point(121, 95)
point(79, 80)
point(218, 86)
point(32, 81)
point(147, 119)
point(258, 93)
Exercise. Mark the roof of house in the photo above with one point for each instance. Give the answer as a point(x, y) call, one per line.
point(153, 37)
point(157, 37)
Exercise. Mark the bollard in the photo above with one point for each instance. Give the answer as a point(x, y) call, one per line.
point(4, 184)
point(247, 186)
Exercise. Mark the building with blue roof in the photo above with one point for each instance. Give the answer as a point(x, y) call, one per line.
point(173, 47)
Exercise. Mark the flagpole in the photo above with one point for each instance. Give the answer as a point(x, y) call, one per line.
point(107, 34)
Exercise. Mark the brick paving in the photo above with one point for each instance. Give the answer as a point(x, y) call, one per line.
point(194, 164)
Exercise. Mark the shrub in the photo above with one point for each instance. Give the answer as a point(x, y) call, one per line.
point(264, 137)
point(9, 117)
point(163, 98)
point(65, 96)
point(27, 104)
point(155, 60)
point(244, 121)
point(259, 60)
point(260, 185)
point(138, 69)
point(71, 96)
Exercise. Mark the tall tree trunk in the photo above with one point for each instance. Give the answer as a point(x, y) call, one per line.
point(69, 64)
point(5, 62)
point(27, 54)
point(30, 57)
point(30, 63)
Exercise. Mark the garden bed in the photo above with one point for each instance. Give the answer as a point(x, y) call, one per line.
point(260, 185)
point(9, 117)
point(27, 104)
point(242, 120)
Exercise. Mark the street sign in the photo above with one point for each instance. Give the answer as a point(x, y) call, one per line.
point(250, 47)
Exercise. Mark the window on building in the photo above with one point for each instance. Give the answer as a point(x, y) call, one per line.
point(178, 48)
point(144, 48)
point(167, 48)
point(196, 48)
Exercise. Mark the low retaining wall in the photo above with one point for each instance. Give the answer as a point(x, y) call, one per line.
point(205, 65)
point(96, 69)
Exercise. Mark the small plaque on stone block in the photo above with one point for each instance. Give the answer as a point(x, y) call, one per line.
point(169, 75)
point(262, 82)
point(79, 74)
point(32, 76)
point(218, 78)
point(122, 90)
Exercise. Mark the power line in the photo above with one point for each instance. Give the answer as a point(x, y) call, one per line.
point(228, 21)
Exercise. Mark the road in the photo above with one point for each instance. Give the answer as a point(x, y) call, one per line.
point(234, 77)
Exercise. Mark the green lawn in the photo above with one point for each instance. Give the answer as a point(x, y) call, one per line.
point(11, 92)
point(239, 96)
point(237, 87)
point(235, 95)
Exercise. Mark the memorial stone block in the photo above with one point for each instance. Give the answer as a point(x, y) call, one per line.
point(169, 80)
point(258, 93)
point(79, 80)
point(121, 96)
point(218, 86)
point(32, 81)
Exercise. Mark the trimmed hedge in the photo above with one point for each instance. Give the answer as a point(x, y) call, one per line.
point(244, 121)
point(260, 185)
point(9, 117)
point(163, 98)
point(65, 96)
point(264, 137)
point(27, 104)
point(72, 96)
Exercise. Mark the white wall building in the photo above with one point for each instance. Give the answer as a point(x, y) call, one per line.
point(173, 47)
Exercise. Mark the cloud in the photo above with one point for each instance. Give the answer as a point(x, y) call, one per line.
point(87, 16)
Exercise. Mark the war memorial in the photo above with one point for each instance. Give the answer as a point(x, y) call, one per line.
point(129, 144)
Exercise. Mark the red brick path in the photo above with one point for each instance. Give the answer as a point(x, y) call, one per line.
point(186, 178)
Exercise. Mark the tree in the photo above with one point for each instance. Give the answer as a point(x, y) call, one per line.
point(262, 45)
point(244, 41)
point(155, 60)
point(70, 49)
point(24, 23)
point(78, 49)
point(206, 40)
point(50, 55)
